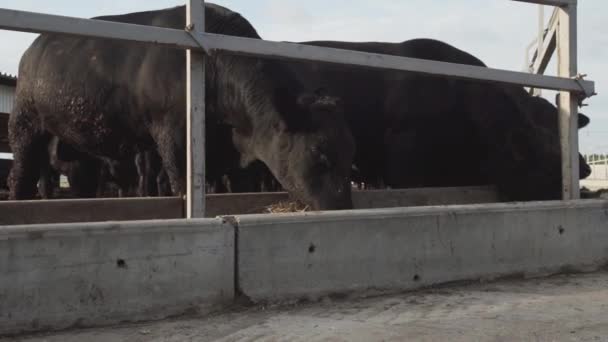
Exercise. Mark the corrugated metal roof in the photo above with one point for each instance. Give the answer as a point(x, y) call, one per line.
point(7, 79)
point(7, 92)
point(7, 98)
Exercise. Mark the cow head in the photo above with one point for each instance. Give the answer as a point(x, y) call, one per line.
point(545, 114)
point(584, 168)
point(583, 120)
point(311, 153)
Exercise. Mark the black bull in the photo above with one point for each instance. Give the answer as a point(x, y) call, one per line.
point(414, 130)
point(112, 100)
point(420, 131)
point(407, 127)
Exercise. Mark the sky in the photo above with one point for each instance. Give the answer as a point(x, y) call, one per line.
point(496, 31)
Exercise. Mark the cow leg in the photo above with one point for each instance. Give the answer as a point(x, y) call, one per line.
point(124, 173)
point(84, 178)
point(146, 171)
point(162, 183)
point(168, 149)
point(49, 180)
point(141, 174)
point(155, 175)
point(29, 145)
point(102, 178)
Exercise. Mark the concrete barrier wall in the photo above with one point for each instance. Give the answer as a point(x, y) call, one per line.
point(58, 276)
point(54, 277)
point(311, 255)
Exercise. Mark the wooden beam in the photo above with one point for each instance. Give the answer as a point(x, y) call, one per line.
point(133, 209)
point(568, 102)
point(195, 199)
point(36, 22)
point(90, 210)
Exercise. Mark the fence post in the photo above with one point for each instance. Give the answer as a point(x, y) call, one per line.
point(195, 88)
point(568, 104)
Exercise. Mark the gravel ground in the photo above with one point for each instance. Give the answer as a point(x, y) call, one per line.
point(564, 308)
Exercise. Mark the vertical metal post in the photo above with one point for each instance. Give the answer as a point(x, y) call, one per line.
point(540, 41)
point(195, 88)
point(568, 104)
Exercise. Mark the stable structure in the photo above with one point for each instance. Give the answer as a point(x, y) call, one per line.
point(573, 88)
point(84, 274)
point(599, 168)
point(7, 98)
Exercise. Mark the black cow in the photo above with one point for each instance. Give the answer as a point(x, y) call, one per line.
point(418, 130)
point(5, 166)
point(111, 99)
point(88, 176)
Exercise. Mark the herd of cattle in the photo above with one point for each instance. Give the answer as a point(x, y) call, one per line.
point(101, 111)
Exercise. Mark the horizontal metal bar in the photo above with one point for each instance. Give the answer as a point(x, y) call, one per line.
point(314, 53)
point(558, 3)
point(44, 23)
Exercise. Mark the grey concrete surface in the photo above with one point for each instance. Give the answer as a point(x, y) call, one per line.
point(285, 257)
point(58, 276)
point(564, 308)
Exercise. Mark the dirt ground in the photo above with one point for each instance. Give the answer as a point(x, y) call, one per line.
point(564, 308)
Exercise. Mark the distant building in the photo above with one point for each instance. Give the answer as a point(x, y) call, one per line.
point(7, 100)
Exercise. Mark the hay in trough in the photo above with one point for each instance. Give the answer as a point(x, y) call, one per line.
point(287, 207)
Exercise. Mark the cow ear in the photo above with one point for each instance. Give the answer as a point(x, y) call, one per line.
point(583, 120)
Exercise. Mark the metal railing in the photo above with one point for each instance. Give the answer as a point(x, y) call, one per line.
point(197, 42)
point(599, 168)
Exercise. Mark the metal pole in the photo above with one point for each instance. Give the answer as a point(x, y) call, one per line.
point(195, 88)
point(568, 104)
point(529, 65)
point(540, 41)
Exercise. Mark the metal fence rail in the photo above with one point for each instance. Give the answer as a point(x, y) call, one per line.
point(45, 23)
point(198, 42)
